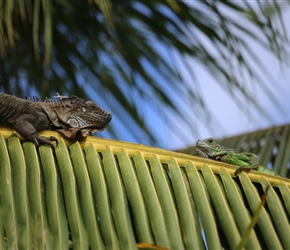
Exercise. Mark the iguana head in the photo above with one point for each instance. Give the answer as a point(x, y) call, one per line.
point(77, 113)
point(209, 148)
point(74, 112)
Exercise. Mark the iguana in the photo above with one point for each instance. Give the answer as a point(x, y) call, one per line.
point(71, 116)
point(209, 148)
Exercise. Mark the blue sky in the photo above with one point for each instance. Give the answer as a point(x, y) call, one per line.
point(232, 118)
point(228, 117)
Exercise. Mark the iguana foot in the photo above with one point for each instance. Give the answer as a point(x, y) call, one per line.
point(242, 169)
point(39, 140)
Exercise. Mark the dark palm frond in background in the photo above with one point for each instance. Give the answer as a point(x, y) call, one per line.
point(133, 56)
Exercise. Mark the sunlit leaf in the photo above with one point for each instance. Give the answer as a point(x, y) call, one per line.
point(101, 193)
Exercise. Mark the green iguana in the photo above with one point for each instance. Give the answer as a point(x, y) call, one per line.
point(209, 148)
point(71, 116)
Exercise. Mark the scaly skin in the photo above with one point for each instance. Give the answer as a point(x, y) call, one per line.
point(71, 116)
point(209, 148)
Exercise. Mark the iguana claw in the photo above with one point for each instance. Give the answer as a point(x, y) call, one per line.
point(237, 172)
point(242, 169)
point(39, 140)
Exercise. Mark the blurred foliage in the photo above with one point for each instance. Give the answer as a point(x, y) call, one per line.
point(130, 54)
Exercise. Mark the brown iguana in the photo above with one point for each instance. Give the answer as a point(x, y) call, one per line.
point(71, 116)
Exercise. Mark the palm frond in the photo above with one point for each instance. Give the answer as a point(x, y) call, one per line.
point(109, 194)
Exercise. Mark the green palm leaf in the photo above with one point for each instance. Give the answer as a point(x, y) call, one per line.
point(110, 194)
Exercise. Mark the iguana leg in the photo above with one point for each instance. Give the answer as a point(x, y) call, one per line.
point(28, 131)
point(39, 140)
point(253, 164)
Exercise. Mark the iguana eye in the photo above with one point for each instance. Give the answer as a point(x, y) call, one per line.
point(81, 109)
